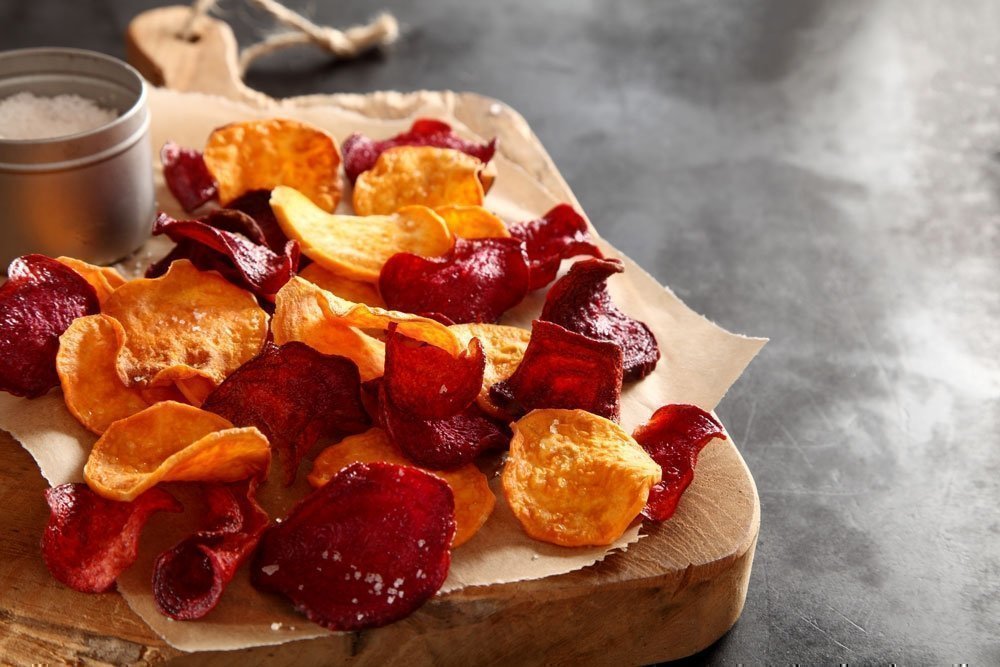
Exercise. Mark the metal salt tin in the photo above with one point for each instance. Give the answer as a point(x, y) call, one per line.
point(88, 195)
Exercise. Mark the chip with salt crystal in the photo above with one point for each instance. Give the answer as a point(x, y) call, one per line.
point(366, 549)
point(104, 279)
point(187, 176)
point(171, 441)
point(575, 479)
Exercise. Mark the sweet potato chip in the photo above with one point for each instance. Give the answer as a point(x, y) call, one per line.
point(474, 501)
point(421, 175)
point(560, 234)
point(189, 326)
point(428, 382)
point(172, 441)
point(361, 153)
point(39, 301)
point(580, 302)
point(575, 479)
point(674, 436)
point(477, 281)
point(357, 247)
point(562, 369)
point(263, 154)
point(472, 222)
point(347, 289)
point(365, 549)
point(90, 540)
point(295, 396)
point(104, 279)
point(188, 580)
point(186, 176)
point(504, 348)
point(88, 372)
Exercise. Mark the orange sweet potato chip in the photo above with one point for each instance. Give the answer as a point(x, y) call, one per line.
point(474, 501)
point(188, 328)
point(575, 479)
point(345, 288)
point(263, 154)
point(504, 348)
point(418, 175)
point(104, 279)
point(172, 441)
point(356, 247)
point(472, 222)
point(86, 363)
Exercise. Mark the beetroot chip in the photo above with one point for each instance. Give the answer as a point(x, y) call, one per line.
point(563, 369)
point(187, 176)
point(257, 205)
point(90, 540)
point(476, 282)
point(295, 396)
point(361, 153)
point(559, 234)
point(426, 381)
point(579, 301)
point(259, 269)
point(672, 437)
point(370, 392)
point(442, 444)
point(39, 301)
point(188, 580)
point(366, 549)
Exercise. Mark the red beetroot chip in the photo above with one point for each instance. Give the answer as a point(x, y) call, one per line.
point(188, 580)
point(39, 301)
point(259, 269)
point(443, 444)
point(559, 234)
point(295, 396)
point(361, 153)
point(90, 540)
point(672, 437)
point(426, 381)
point(476, 282)
point(563, 369)
point(187, 176)
point(579, 301)
point(257, 205)
point(366, 549)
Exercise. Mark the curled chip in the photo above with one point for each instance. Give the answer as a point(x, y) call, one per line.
point(441, 444)
point(104, 279)
point(474, 501)
point(562, 369)
point(421, 175)
point(361, 153)
point(173, 442)
point(263, 154)
point(575, 479)
point(559, 234)
point(187, 176)
point(504, 348)
point(428, 382)
point(673, 436)
point(346, 288)
point(476, 282)
point(188, 580)
point(294, 395)
point(366, 549)
point(472, 222)
point(39, 301)
point(259, 269)
point(579, 301)
point(257, 205)
point(86, 363)
point(188, 327)
point(90, 540)
point(357, 247)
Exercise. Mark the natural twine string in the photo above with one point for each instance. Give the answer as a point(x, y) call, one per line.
point(350, 43)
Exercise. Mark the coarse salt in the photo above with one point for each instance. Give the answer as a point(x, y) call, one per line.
point(28, 116)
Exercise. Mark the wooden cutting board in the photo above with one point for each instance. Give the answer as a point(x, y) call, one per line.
point(670, 595)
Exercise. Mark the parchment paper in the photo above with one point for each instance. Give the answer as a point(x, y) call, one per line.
point(700, 362)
